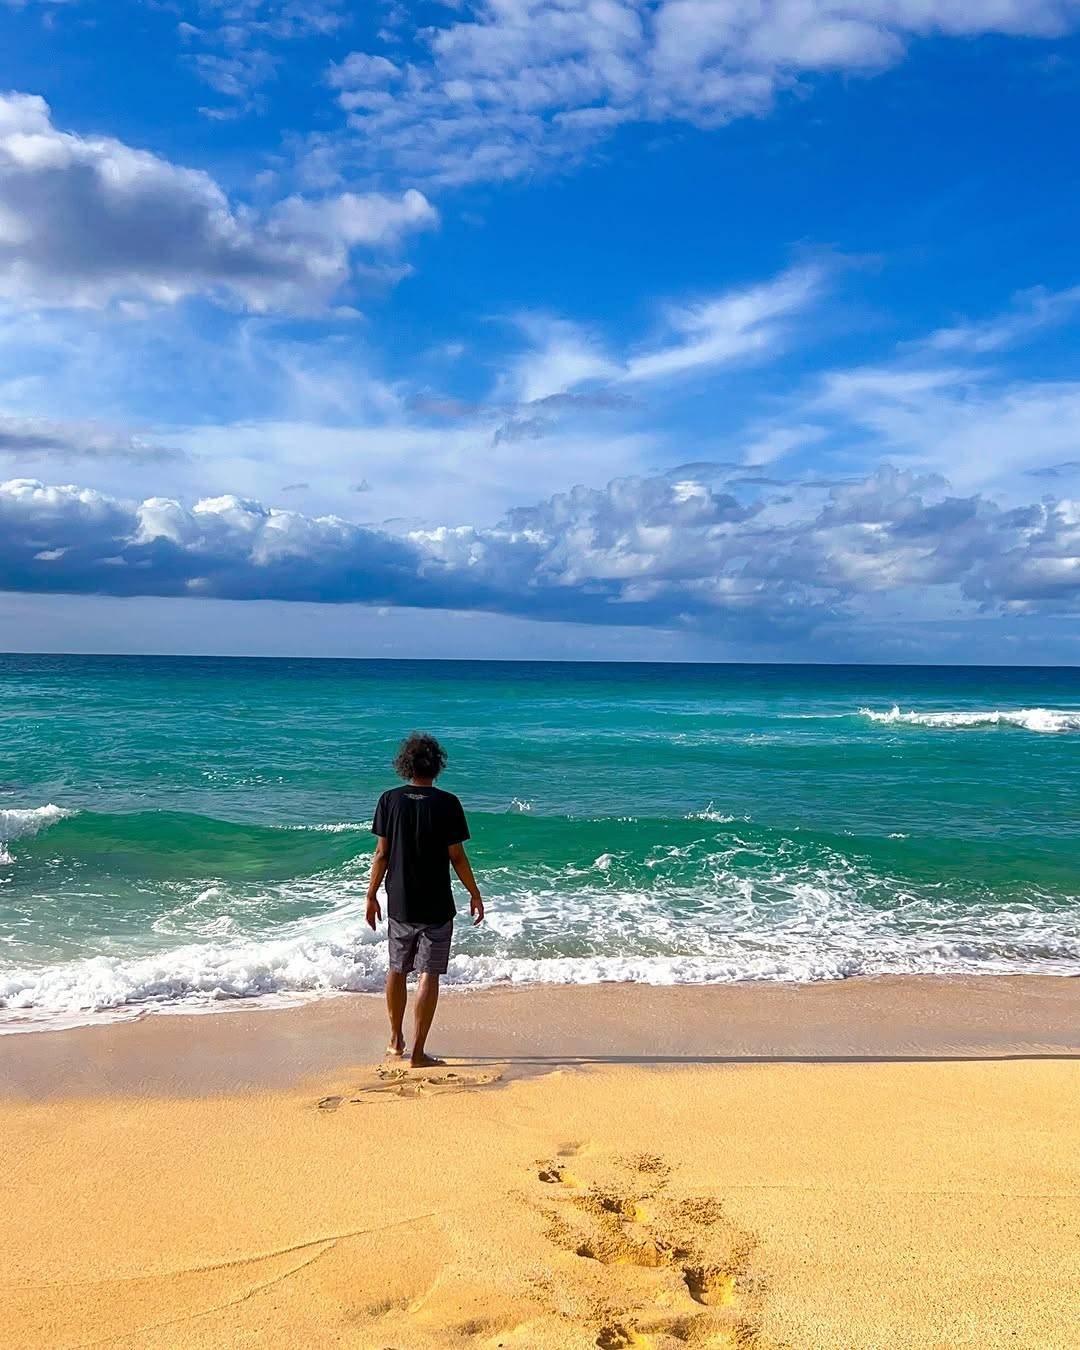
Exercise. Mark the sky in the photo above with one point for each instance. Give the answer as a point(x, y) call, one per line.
point(615, 329)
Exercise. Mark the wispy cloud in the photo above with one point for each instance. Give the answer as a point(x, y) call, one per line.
point(977, 428)
point(738, 326)
point(235, 45)
point(560, 357)
point(1031, 312)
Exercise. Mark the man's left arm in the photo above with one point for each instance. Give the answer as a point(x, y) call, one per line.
point(459, 860)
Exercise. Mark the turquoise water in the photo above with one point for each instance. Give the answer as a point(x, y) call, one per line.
point(179, 831)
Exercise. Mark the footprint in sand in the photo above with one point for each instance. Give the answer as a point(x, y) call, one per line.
point(628, 1219)
point(389, 1081)
point(711, 1286)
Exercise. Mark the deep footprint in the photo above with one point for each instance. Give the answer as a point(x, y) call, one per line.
point(615, 1250)
point(603, 1203)
point(709, 1285)
point(662, 1236)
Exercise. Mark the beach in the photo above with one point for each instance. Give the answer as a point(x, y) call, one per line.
point(869, 1163)
point(769, 1038)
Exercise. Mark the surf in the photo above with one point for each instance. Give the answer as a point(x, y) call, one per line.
point(1046, 721)
point(658, 901)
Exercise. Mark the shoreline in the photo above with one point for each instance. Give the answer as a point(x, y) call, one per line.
point(538, 1028)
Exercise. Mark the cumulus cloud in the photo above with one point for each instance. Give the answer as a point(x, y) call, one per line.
point(501, 86)
point(85, 220)
point(662, 550)
point(66, 538)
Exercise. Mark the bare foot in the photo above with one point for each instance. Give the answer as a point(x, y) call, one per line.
point(395, 1049)
point(426, 1062)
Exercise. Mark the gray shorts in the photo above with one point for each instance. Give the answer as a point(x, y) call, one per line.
point(423, 947)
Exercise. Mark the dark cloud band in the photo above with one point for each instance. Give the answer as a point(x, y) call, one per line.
point(640, 551)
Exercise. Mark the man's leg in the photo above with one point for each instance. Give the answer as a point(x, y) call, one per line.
point(427, 997)
point(397, 995)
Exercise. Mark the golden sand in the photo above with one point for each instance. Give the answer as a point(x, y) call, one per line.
point(888, 1204)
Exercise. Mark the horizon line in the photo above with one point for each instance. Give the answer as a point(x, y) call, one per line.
point(540, 661)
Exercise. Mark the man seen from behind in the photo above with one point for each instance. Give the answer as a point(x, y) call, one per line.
point(421, 832)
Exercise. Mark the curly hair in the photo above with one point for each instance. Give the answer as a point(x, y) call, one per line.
point(419, 756)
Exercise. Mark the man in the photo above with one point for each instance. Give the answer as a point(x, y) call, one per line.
point(421, 832)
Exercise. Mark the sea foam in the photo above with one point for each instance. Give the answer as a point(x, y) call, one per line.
point(1051, 721)
point(821, 929)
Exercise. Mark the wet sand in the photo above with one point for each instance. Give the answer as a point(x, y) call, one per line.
point(542, 1026)
point(876, 1163)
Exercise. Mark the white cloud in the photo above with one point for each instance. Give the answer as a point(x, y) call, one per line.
point(87, 541)
point(234, 46)
point(89, 220)
point(350, 219)
point(975, 428)
point(737, 326)
point(1031, 311)
point(510, 84)
point(653, 551)
point(415, 472)
point(770, 443)
point(562, 356)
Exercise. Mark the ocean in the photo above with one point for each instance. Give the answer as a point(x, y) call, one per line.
point(181, 833)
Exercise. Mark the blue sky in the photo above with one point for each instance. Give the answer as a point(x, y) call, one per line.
point(680, 329)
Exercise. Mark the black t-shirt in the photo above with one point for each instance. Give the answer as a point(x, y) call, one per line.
point(419, 824)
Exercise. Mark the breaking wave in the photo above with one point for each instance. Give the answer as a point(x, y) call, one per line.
point(17, 823)
point(1049, 721)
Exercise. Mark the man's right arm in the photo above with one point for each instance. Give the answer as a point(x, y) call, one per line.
point(459, 860)
point(378, 871)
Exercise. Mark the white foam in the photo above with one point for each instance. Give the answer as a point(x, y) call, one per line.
point(805, 926)
point(710, 813)
point(337, 827)
point(18, 823)
point(1049, 721)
